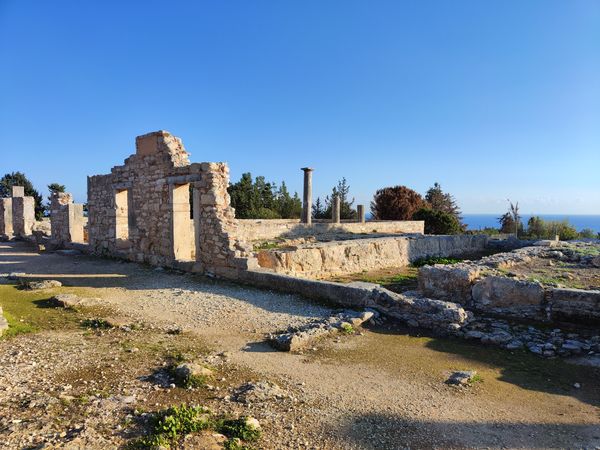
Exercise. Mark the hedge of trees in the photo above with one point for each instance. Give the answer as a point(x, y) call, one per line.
point(259, 199)
point(438, 208)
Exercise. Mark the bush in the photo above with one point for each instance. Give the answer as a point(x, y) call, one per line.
point(438, 222)
point(538, 228)
point(587, 233)
point(396, 203)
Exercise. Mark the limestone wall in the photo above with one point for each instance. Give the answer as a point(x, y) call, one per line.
point(265, 229)
point(480, 286)
point(141, 210)
point(66, 219)
point(356, 255)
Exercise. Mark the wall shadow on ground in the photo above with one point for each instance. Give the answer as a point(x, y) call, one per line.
point(520, 368)
point(386, 431)
point(96, 272)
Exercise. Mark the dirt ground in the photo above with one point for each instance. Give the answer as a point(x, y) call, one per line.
point(64, 385)
point(558, 273)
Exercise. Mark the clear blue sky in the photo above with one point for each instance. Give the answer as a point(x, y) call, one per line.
point(493, 99)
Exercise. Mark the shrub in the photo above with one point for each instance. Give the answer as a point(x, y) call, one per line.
point(434, 260)
point(396, 203)
point(587, 233)
point(438, 222)
point(538, 228)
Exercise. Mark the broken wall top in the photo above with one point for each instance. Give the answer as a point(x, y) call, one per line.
point(161, 145)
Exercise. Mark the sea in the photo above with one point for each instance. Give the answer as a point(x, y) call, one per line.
point(479, 221)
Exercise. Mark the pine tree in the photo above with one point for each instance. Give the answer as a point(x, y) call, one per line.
point(342, 189)
point(442, 201)
point(55, 187)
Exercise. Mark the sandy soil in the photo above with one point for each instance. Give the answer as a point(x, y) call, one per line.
point(383, 388)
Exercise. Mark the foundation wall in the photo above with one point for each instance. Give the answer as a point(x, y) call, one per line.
point(481, 288)
point(263, 229)
point(357, 255)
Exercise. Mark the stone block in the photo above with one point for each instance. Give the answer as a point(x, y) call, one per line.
point(502, 292)
point(18, 191)
point(575, 304)
point(448, 282)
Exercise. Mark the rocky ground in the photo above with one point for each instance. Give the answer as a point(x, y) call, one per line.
point(68, 379)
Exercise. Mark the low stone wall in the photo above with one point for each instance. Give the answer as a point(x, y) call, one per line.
point(357, 255)
point(255, 230)
point(480, 286)
point(414, 310)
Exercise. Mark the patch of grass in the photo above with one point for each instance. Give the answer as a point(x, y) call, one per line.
point(31, 311)
point(549, 280)
point(476, 378)
point(170, 425)
point(587, 251)
point(347, 328)
point(268, 245)
point(238, 429)
point(235, 444)
point(96, 323)
point(395, 279)
point(434, 260)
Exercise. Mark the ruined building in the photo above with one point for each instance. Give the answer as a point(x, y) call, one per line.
point(160, 209)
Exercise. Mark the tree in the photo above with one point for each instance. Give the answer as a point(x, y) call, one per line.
point(396, 203)
point(318, 211)
point(587, 233)
point(287, 207)
point(342, 189)
point(260, 199)
point(444, 202)
point(55, 187)
point(19, 179)
point(536, 228)
point(510, 222)
point(438, 222)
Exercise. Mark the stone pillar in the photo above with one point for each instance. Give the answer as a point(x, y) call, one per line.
point(335, 210)
point(307, 198)
point(360, 212)
point(66, 219)
point(6, 220)
point(18, 191)
point(23, 212)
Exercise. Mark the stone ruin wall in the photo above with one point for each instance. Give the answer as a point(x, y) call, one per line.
point(141, 210)
point(356, 255)
point(479, 286)
point(265, 229)
point(66, 219)
point(17, 214)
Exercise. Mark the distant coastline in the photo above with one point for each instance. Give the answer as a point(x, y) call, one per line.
point(579, 221)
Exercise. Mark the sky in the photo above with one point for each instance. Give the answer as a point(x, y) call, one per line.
point(494, 100)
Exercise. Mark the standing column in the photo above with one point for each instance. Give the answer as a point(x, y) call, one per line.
point(335, 210)
point(360, 211)
point(307, 198)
